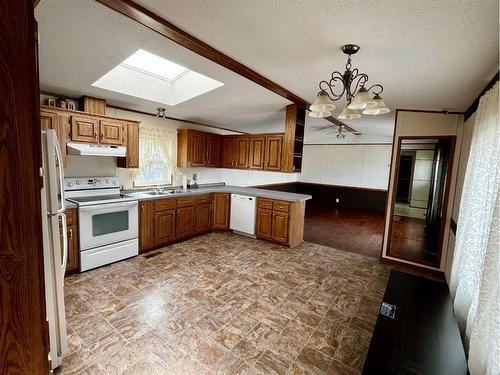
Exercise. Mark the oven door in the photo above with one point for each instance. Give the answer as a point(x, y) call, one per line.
point(108, 223)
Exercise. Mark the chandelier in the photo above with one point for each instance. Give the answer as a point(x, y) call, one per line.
point(360, 100)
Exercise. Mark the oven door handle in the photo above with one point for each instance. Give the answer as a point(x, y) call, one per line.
point(107, 206)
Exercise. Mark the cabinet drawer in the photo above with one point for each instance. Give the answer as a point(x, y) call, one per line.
point(281, 206)
point(184, 202)
point(206, 198)
point(165, 204)
point(265, 203)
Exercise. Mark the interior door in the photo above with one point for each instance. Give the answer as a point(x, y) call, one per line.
point(23, 326)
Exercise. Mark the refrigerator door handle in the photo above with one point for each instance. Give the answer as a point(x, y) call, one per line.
point(61, 178)
point(62, 215)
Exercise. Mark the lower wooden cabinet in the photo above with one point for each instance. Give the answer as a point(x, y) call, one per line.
point(280, 221)
point(221, 203)
point(164, 231)
point(146, 225)
point(203, 218)
point(72, 233)
point(185, 222)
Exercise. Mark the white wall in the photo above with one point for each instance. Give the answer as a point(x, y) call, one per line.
point(364, 166)
point(422, 174)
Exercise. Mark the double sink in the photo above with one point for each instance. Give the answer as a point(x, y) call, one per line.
point(153, 193)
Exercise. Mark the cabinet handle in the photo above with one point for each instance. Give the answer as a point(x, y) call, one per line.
point(70, 233)
point(95, 135)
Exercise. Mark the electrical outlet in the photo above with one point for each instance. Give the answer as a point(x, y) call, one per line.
point(337, 200)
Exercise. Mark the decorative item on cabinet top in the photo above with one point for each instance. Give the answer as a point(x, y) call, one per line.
point(105, 132)
point(250, 151)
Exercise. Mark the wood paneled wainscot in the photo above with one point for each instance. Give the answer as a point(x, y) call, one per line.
point(280, 221)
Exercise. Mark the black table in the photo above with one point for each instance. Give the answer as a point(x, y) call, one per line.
point(423, 337)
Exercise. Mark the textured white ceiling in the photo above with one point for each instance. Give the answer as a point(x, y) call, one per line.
point(81, 40)
point(427, 54)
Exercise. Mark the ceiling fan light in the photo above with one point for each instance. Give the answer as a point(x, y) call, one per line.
point(349, 114)
point(322, 103)
point(322, 114)
point(379, 109)
point(362, 100)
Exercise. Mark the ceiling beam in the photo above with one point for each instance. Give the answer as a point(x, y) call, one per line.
point(161, 26)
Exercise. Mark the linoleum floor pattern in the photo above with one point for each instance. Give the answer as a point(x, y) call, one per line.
point(225, 304)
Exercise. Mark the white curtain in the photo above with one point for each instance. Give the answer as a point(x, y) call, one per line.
point(474, 282)
point(157, 157)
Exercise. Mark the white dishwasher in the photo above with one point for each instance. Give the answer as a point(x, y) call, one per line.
point(243, 214)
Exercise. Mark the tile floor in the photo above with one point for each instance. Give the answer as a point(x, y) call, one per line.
point(225, 304)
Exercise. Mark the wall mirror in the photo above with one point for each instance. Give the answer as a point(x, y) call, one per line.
point(419, 198)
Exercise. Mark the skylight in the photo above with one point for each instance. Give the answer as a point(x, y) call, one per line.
point(147, 62)
point(151, 77)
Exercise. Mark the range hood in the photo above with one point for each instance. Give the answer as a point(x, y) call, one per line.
point(89, 149)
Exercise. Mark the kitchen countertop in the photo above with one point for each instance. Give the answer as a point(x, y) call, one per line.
point(254, 192)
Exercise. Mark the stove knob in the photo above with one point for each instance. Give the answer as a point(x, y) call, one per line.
point(69, 184)
point(77, 182)
point(114, 182)
point(107, 181)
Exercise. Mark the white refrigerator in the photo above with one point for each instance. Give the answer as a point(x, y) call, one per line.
point(55, 251)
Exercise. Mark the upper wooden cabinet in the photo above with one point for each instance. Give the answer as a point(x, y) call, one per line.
point(273, 152)
point(197, 149)
point(48, 119)
point(84, 129)
point(229, 146)
point(112, 132)
point(293, 143)
point(257, 152)
point(235, 151)
point(132, 136)
point(213, 151)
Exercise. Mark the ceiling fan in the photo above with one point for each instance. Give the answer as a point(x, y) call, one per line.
point(340, 131)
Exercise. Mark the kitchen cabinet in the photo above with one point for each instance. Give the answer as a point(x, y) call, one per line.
point(213, 151)
point(235, 151)
point(112, 132)
point(293, 142)
point(48, 119)
point(273, 152)
point(146, 225)
point(257, 152)
point(197, 149)
point(221, 203)
point(131, 134)
point(164, 231)
point(72, 236)
point(185, 222)
point(203, 217)
point(280, 221)
point(84, 129)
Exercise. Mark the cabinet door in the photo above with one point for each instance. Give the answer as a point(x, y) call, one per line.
point(264, 223)
point(257, 151)
point(84, 129)
point(146, 225)
point(203, 218)
point(220, 209)
point(185, 222)
point(229, 148)
point(72, 235)
point(242, 153)
point(274, 146)
point(111, 132)
point(48, 120)
point(132, 136)
point(213, 151)
point(280, 227)
point(164, 227)
point(197, 149)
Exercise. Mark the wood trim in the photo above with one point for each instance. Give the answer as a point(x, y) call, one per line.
point(453, 226)
point(444, 112)
point(344, 187)
point(84, 114)
point(473, 107)
point(449, 172)
point(161, 26)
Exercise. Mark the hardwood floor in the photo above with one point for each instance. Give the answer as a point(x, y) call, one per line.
point(409, 239)
point(354, 230)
